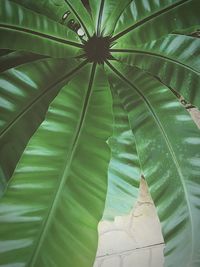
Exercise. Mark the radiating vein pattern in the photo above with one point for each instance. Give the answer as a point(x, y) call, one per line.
point(173, 59)
point(87, 129)
point(17, 26)
point(150, 26)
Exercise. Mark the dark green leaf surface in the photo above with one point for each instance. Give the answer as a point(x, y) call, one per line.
point(167, 140)
point(55, 9)
point(174, 59)
point(26, 93)
point(178, 15)
point(138, 11)
point(19, 31)
point(124, 169)
point(16, 58)
point(4, 52)
point(67, 180)
point(105, 14)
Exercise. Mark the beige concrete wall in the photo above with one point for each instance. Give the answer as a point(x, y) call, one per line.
point(134, 239)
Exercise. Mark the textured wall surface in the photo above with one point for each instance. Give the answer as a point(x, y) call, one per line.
point(134, 239)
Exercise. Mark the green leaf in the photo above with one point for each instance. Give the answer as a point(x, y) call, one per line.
point(174, 59)
point(67, 180)
point(55, 9)
point(105, 14)
point(19, 31)
point(156, 21)
point(12, 59)
point(26, 93)
point(52, 9)
point(81, 15)
point(168, 145)
point(124, 168)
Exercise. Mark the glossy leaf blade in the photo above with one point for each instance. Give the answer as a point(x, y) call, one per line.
point(22, 29)
point(179, 15)
point(174, 59)
point(124, 169)
point(57, 9)
point(138, 11)
point(105, 14)
point(62, 175)
point(25, 95)
point(168, 146)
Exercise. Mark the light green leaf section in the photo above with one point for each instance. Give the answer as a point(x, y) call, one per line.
point(168, 145)
point(173, 59)
point(56, 196)
point(4, 52)
point(179, 15)
point(23, 29)
point(124, 168)
point(25, 94)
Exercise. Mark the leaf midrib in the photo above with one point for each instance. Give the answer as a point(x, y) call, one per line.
point(137, 51)
point(146, 19)
point(100, 16)
point(39, 34)
point(67, 166)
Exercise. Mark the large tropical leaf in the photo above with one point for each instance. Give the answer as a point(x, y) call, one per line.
point(105, 14)
point(124, 168)
point(167, 140)
point(55, 9)
point(159, 19)
point(67, 180)
point(51, 207)
point(19, 31)
point(174, 59)
point(26, 93)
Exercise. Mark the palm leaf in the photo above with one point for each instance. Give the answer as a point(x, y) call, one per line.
point(55, 9)
point(174, 59)
point(124, 168)
point(19, 32)
point(105, 14)
point(33, 86)
point(79, 157)
point(167, 140)
point(56, 197)
point(156, 21)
